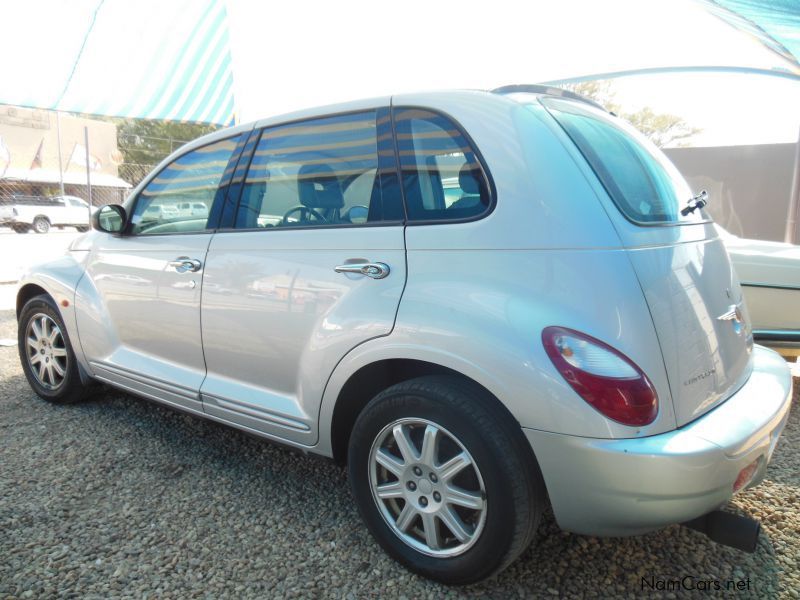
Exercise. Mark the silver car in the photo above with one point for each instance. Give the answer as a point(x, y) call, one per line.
point(559, 323)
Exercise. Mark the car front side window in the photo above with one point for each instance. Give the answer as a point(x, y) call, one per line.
point(191, 178)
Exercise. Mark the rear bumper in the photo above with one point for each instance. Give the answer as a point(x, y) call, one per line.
point(631, 486)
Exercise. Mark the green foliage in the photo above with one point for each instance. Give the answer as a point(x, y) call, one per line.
point(147, 142)
point(663, 129)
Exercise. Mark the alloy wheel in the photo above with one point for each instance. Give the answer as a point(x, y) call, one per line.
point(428, 487)
point(46, 351)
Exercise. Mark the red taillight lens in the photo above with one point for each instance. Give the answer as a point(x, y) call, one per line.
point(604, 377)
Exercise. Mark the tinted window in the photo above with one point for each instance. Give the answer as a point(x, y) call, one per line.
point(442, 177)
point(319, 173)
point(641, 181)
point(193, 177)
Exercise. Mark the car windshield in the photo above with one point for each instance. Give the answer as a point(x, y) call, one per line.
point(642, 182)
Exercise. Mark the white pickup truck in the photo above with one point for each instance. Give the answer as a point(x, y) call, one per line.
point(24, 213)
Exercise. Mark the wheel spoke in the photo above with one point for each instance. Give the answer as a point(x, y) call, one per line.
point(406, 517)
point(36, 358)
point(58, 368)
point(454, 466)
point(50, 373)
point(59, 352)
point(33, 343)
point(37, 330)
point(42, 370)
point(467, 499)
point(431, 529)
point(454, 523)
point(385, 459)
point(387, 491)
point(429, 446)
point(55, 332)
point(44, 328)
point(404, 444)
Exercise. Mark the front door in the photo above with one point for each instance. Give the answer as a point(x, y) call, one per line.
point(312, 265)
point(138, 305)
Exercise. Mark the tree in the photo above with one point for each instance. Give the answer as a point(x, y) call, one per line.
point(663, 129)
point(147, 142)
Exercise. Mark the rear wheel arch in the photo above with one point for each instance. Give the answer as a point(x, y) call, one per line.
point(371, 379)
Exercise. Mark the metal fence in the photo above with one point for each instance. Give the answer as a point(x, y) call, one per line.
point(46, 157)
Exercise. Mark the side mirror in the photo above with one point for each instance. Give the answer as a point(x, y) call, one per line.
point(111, 218)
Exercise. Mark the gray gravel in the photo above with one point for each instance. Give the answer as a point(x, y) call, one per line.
point(118, 497)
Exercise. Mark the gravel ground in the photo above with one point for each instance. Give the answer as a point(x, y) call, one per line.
point(118, 497)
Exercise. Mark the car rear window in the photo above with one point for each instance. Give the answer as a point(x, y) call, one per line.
point(642, 182)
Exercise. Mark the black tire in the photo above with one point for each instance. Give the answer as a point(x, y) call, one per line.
point(69, 389)
point(22, 228)
point(514, 489)
point(82, 228)
point(41, 225)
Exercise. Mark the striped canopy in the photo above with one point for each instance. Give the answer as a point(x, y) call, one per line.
point(184, 59)
point(167, 59)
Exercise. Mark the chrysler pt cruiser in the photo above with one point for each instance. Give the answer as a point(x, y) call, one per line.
point(480, 302)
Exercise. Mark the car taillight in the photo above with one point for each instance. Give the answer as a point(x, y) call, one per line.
point(604, 377)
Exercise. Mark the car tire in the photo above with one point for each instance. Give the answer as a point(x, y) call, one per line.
point(41, 225)
point(499, 479)
point(22, 228)
point(82, 228)
point(42, 337)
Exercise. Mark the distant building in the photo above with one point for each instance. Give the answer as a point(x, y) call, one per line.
point(29, 157)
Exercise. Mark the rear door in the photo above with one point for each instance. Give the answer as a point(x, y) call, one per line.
point(684, 270)
point(311, 264)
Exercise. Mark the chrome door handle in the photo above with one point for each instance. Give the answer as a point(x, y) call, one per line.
point(184, 264)
point(376, 270)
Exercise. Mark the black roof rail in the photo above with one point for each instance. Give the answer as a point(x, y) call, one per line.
point(535, 88)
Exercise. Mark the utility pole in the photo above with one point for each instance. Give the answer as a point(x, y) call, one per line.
point(60, 160)
point(88, 171)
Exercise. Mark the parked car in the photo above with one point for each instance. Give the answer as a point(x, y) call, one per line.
point(564, 333)
point(158, 213)
point(39, 213)
point(769, 273)
point(193, 209)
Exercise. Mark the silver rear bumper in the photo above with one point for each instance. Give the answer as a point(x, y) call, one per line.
point(630, 486)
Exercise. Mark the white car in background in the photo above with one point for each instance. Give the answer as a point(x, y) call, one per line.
point(769, 273)
point(40, 214)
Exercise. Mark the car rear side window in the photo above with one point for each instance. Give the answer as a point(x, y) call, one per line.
point(645, 186)
point(191, 178)
point(442, 177)
point(323, 172)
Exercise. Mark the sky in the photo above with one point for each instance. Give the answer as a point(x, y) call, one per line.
point(731, 109)
point(295, 55)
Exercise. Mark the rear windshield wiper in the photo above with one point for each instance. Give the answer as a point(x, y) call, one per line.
point(696, 202)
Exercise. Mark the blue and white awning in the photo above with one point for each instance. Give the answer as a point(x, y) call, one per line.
point(145, 59)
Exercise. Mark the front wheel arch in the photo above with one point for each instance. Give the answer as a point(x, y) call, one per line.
point(28, 291)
